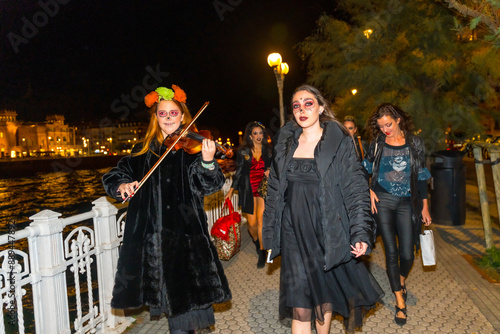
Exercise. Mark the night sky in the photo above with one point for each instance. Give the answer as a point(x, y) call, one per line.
point(83, 58)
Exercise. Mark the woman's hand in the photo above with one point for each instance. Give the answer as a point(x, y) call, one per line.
point(266, 173)
point(207, 149)
point(127, 189)
point(373, 200)
point(360, 248)
point(426, 217)
point(229, 193)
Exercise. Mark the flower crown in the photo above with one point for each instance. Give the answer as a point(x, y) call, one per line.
point(259, 124)
point(163, 93)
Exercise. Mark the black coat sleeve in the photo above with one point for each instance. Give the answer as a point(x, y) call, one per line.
point(122, 173)
point(356, 196)
point(270, 214)
point(203, 181)
point(238, 174)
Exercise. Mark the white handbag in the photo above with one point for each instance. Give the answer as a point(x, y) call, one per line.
point(428, 248)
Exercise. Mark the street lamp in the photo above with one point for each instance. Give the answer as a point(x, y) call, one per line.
point(280, 70)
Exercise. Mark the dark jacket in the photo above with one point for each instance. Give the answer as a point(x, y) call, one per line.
point(417, 161)
point(167, 260)
point(241, 178)
point(344, 194)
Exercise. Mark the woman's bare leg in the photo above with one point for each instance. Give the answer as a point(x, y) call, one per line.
point(259, 213)
point(301, 327)
point(252, 225)
point(325, 327)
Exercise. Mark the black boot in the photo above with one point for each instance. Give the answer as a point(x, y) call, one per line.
point(257, 245)
point(262, 259)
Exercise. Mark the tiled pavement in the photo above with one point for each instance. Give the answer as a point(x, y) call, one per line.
point(452, 297)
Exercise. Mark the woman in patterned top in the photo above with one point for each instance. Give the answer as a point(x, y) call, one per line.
point(398, 193)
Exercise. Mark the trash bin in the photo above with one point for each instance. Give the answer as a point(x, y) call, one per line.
point(448, 188)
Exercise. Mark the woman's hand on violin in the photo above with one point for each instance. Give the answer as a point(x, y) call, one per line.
point(374, 200)
point(359, 249)
point(207, 149)
point(127, 189)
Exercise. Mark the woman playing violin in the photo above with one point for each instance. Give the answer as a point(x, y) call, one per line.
point(167, 260)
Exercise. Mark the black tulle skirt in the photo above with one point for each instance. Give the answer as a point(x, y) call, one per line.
point(307, 292)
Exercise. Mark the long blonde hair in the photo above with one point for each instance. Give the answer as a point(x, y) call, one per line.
point(154, 131)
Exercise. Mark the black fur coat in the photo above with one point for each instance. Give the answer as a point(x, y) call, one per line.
point(167, 260)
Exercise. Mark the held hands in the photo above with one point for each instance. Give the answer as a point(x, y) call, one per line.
point(373, 200)
point(207, 149)
point(127, 189)
point(360, 249)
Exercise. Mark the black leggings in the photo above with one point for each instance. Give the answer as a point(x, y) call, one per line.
point(394, 220)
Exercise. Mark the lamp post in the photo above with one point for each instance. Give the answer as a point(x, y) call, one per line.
point(280, 70)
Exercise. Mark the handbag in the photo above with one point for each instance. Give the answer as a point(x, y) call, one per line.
point(428, 248)
point(262, 189)
point(226, 233)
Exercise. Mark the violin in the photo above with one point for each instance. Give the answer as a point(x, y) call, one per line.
point(191, 142)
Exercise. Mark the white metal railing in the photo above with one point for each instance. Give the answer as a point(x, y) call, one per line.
point(86, 256)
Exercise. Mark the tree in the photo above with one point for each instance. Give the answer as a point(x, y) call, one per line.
point(407, 53)
point(483, 13)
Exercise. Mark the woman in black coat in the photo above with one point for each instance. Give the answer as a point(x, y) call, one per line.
point(252, 164)
point(167, 260)
point(396, 160)
point(317, 217)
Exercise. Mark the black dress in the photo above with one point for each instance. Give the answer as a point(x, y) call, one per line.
point(303, 283)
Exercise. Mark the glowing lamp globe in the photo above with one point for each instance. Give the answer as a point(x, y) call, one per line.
point(284, 68)
point(274, 59)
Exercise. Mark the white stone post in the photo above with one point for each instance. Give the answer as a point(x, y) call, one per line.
point(48, 267)
point(107, 244)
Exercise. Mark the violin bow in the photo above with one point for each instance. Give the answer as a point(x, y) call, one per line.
point(183, 132)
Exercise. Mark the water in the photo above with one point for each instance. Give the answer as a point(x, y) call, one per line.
point(66, 193)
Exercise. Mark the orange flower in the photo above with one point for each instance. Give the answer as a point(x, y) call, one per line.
point(179, 95)
point(151, 99)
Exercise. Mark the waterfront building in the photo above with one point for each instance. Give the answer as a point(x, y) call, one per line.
point(8, 129)
point(52, 137)
point(31, 139)
point(117, 138)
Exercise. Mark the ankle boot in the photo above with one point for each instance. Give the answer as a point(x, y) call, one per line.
point(257, 245)
point(262, 259)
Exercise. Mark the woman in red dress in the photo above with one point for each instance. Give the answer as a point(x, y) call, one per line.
point(252, 163)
